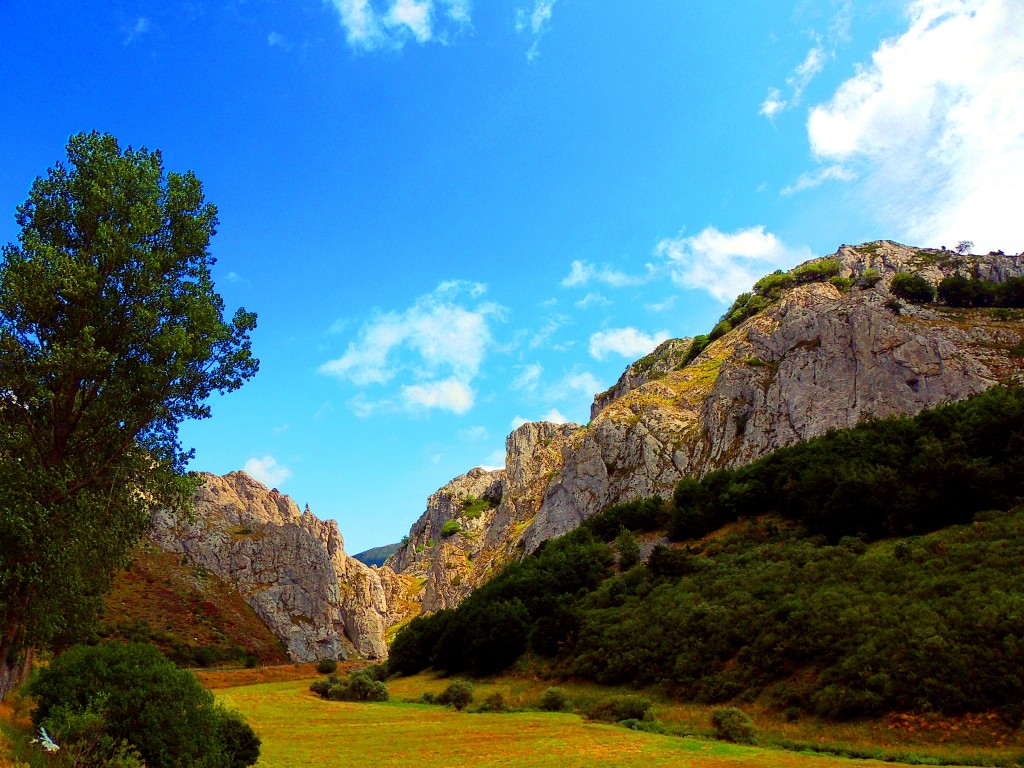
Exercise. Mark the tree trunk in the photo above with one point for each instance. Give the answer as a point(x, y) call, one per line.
point(14, 672)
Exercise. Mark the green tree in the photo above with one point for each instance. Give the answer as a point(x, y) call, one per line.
point(111, 334)
point(629, 549)
point(137, 695)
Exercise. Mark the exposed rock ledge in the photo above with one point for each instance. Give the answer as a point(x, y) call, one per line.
point(290, 566)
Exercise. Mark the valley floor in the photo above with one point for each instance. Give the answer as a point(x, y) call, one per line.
point(300, 729)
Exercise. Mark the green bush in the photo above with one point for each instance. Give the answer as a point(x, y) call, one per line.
point(869, 277)
point(143, 700)
point(912, 287)
point(817, 271)
point(450, 529)
point(358, 686)
point(555, 700)
point(771, 286)
point(629, 549)
point(458, 694)
point(327, 666)
point(619, 708)
point(842, 284)
point(733, 724)
point(494, 703)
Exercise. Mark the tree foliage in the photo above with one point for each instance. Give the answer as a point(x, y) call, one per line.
point(111, 334)
point(138, 696)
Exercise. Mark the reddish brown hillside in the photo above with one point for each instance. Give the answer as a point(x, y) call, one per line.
point(192, 615)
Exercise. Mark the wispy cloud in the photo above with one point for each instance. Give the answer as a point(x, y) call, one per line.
point(528, 377)
point(726, 264)
point(535, 23)
point(935, 124)
point(439, 343)
point(137, 29)
point(375, 24)
point(819, 177)
point(266, 470)
point(627, 342)
point(824, 49)
point(797, 83)
point(277, 40)
point(583, 273)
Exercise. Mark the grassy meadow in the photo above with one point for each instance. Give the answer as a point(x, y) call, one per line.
point(300, 729)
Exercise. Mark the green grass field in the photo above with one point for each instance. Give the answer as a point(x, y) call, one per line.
point(300, 729)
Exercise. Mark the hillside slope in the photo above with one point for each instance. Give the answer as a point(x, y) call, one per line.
point(815, 358)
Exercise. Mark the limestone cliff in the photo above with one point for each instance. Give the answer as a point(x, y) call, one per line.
point(290, 566)
point(815, 359)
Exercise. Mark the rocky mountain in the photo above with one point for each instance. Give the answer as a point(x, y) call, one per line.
point(820, 355)
point(824, 346)
point(290, 566)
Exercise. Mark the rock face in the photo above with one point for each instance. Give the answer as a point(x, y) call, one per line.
point(290, 566)
point(818, 358)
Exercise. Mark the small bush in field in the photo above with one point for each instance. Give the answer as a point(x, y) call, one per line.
point(327, 666)
point(458, 694)
point(555, 700)
point(733, 724)
point(494, 703)
point(619, 708)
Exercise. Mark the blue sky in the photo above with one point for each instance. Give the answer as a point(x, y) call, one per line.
point(452, 216)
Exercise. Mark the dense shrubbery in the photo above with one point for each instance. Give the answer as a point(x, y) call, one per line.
point(450, 528)
point(912, 287)
point(458, 694)
point(128, 698)
point(327, 666)
point(959, 291)
point(555, 699)
point(528, 605)
point(619, 708)
point(768, 607)
point(358, 686)
point(732, 724)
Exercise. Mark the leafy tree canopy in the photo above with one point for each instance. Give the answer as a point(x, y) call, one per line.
point(111, 334)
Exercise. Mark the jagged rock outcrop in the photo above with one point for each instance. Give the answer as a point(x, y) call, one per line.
point(290, 566)
point(818, 358)
point(450, 567)
point(666, 357)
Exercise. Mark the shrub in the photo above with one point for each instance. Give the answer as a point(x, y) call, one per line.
point(842, 284)
point(327, 666)
point(912, 287)
point(732, 724)
point(359, 686)
point(629, 549)
point(619, 708)
point(869, 277)
point(143, 700)
point(458, 694)
point(450, 529)
point(817, 270)
point(554, 700)
point(494, 703)
point(771, 286)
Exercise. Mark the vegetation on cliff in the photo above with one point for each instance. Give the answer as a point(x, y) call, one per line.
point(867, 571)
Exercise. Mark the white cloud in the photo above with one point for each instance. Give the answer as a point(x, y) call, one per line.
point(802, 75)
point(582, 382)
point(437, 342)
point(628, 342)
point(518, 421)
point(583, 273)
point(555, 417)
point(382, 24)
point(819, 177)
point(277, 40)
point(726, 264)
point(936, 124)
point(449, 395)
point(496, 460)
point(141, 26)
point(267, 471)
point(536, 23)
point(528, 377)
point(592, 299)
point(473, 434)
